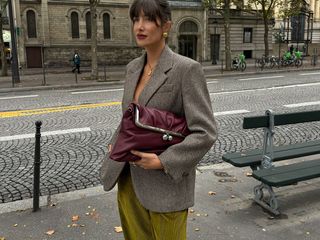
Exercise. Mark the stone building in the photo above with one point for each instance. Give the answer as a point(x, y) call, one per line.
point(50, 31)
point(55, 28)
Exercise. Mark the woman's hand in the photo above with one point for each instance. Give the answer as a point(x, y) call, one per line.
point(147, 161)
point(109, 148)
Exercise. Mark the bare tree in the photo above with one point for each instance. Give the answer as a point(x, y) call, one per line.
point(223, 8)
point(94, 44)
point(4, 65)
point(266, 10)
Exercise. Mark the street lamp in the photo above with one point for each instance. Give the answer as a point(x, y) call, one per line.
point(14, 64)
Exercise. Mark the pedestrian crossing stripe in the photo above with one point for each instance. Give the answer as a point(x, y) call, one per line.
point(30, 112)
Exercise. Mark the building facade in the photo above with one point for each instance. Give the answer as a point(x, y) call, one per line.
point(48, 32)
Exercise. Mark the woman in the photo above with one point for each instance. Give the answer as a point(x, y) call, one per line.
point(155, 192)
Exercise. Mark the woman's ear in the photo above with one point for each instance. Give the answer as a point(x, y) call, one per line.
point(167, 26)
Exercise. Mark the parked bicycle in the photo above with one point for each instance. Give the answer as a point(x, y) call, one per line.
point(292, 59)
point(239, 63)
point(270, 62)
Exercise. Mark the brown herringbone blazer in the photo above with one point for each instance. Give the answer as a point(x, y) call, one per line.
point(177, 85)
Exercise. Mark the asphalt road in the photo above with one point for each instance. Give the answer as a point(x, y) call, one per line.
point(78, 123)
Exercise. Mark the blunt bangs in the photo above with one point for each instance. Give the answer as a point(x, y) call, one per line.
point(150, 8)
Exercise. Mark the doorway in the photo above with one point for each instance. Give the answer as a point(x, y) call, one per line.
point(188, 46)
point(215, 46)
point(34, 57)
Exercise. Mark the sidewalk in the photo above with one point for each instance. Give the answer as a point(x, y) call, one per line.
point(226, 214)
point(57, 78)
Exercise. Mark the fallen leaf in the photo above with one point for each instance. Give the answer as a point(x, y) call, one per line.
point(118, 229)
point(75, 218)
point(212, 193)
point(197, 229)
point(233, 196)
point(249, 174)
point(87, 214)
point(74, 225)
point(15, 225)
point(206, 215)
point(198, 214)
point(69, 226)
point(191, 211)
point(50, 232)
point(307, 233)
point(82, 225)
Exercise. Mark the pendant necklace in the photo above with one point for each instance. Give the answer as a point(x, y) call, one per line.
point(151, 70)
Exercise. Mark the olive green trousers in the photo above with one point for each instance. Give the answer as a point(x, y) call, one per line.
point(138, 223)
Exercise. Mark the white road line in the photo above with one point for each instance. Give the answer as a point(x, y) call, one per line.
point(258, 78)
point(307, 74)
point(240, 91)
point(50, 133)
point(270, 88)
point(99, 91)
point(231, 112)
point(302, 104)
point(212, 82)
point(17, 97)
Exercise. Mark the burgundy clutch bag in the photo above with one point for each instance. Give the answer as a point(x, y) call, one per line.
point(147, 129)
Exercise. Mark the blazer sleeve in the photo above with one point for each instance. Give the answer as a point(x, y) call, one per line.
point(178, 160)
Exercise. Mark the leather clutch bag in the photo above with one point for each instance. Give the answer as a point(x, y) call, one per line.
point(149, 130)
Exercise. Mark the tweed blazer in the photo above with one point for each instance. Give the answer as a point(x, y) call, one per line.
point(177, 85)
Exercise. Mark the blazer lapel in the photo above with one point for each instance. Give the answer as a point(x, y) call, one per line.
point(159, 76)
point(132, 77)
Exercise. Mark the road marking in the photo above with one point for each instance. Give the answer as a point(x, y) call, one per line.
point(22, 113)
point(212, 82)
point(50, 133)
point(302, 104)
point(264, 89)
point(231, 112)
point(307, 74)
point(99, 91)
point(17, 97)
point(258, 78)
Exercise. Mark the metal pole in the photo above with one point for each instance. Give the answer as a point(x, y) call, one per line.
point(14, 65)
point(105, 72)
point(43, 66)
point(36, 173)
point(76, 76)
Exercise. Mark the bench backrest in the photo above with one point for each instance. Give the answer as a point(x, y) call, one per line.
point(281, 119)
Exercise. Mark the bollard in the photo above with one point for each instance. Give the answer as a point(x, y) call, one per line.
point(36, 172)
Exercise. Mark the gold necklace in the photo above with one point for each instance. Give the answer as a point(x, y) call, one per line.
point(151, 70)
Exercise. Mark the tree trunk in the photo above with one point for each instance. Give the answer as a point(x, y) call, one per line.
point(4, 66)
point(94, 45)
point(266, 37)
point(226, 17)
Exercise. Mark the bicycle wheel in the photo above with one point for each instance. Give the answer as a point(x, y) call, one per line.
point(298, 62)
point(243, 66)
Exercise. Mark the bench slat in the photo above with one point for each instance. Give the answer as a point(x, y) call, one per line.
point(281, 119)
point(253, 157)
point(288, 174)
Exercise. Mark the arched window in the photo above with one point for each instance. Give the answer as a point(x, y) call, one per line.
point(188, 26)
point(88, 25)
point(31, 24)
point(75, 25)
point(106, 26)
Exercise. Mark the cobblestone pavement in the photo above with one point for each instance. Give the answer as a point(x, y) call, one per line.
point(71, 161)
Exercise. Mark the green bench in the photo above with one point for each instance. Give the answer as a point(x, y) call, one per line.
point(262, 160)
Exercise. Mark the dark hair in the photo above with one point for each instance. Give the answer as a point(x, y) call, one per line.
point(151, 8)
